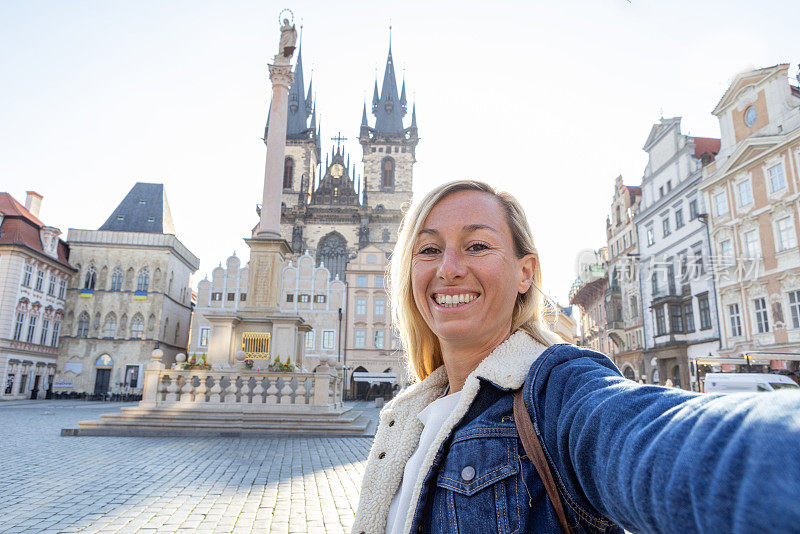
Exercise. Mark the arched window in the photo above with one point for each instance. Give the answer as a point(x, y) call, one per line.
point(91, 277)
point(144, 280)
point(288, 172)
point(137, 326)
point(332, 251)
point(110, 325)
point(629, 373)
point(116, 279)
point(83, 325)
point(387, 172)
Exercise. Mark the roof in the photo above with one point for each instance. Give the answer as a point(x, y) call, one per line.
point(144, 209)
point(19, 227)
point(705, 145)
point(389, 108)
point(634, 189)
point(744, 79)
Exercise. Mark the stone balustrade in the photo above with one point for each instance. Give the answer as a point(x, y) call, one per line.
point(241, 388)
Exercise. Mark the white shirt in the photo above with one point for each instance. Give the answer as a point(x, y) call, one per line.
point(432, 417)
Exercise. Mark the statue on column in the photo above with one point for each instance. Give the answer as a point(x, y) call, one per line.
point(363, 236)
point(297, 239)
point(288, 39)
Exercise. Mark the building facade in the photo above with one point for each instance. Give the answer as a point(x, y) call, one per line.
point(131, 292)
point(588, 293)
point(679, 307)
point(752, 189)
point(371, 345)
point(623, 296)
point(34, 271)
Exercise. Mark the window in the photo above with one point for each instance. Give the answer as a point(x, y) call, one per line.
point(377, 339)
point(43, 335)
point(698, 258)
point(360, 339)
point(651, 238)
point(721, 204)
point(51, 287)
point(18, 326)
point(786, 236)
point(23, 379)
point(654, 283)
point(669, 185)
point(132, 376)
point(62, 289)
point(361, 305)
point(305, 298)
point(385, 235)
point(676, 318)
point(661, 327)
point(289, 297)
point(671, 276)
point(688, 316)
point(242, 297)
point(332, 251)
point(660, 191)
point(319, 299)
point(54, 339)
point(361, 280)
point(83, 325)
point(216, 296)
point(116, 279)
point(794, 306)
point(231, 297)
point(110, 326)
point(387, 172)
point(665, 226)
point(705, 312)
point(745, 193)
point(379, 281)
point(137, 326)
point(751, 244)
point(693, 209)
point(9, 384)
point(379, 308)
point(679, 218)
point(26, 277)
point(725, 249)
point(736, 320)
point(328, 339)
point(144, 280)
point(777, 180)
point(310, 339)
point(371, 259)
point(288, 172)
point(204, 332)
point(762, 320)
point(91, 277)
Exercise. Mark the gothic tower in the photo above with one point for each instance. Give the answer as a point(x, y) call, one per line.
point(388, 155)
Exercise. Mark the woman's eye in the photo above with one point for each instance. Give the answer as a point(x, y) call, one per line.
point(429, 250)
point(476, 247)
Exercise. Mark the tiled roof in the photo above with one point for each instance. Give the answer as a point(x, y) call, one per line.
point(20, 227)
point(706, 145)
point(144, 209)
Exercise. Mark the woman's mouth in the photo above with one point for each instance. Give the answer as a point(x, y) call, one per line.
point(453, 301)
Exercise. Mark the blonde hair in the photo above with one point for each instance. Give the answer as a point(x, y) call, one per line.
point(422, 348)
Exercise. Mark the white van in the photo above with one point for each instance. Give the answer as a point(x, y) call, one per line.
point(747, 382)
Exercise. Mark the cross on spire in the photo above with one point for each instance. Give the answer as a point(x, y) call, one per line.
point(338, 140)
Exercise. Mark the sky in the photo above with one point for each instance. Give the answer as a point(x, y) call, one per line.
point(548, 100)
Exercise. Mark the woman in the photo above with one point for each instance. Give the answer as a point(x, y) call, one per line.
point(447, 456)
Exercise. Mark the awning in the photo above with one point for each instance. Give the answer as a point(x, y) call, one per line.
point(361, 376)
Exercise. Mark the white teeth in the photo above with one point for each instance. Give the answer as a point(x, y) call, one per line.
point(450, 301)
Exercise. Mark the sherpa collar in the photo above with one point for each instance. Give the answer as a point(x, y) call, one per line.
point(399, 429)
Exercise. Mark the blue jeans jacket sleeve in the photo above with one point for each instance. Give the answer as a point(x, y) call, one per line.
point(658, 459)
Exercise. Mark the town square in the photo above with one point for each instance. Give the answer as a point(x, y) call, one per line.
point(204, 309)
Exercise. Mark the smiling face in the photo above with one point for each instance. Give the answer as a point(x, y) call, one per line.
point(465, 273)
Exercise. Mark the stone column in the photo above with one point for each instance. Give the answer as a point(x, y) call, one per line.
point(280, 74)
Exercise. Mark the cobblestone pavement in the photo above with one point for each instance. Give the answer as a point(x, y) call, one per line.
point(51, 483)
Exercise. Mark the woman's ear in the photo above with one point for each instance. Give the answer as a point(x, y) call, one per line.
point(527, 269)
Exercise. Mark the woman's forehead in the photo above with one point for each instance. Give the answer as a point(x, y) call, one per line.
point(467, 208)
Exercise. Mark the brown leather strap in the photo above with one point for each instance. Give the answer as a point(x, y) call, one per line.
point(533, 448)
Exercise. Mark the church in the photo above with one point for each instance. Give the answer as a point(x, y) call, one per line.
point(329, 212)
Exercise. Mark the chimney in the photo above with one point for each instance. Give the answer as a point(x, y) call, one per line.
point(33, 201)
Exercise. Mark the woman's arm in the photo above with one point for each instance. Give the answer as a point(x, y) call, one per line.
point(664, 460)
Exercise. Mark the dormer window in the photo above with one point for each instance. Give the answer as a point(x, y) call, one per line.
point(750, 116)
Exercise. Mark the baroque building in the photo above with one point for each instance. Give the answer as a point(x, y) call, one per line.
point(679, 306)
point(34, 270)
point(622, 296)
point(130, 294)
point(588, 293)
point(752, 189)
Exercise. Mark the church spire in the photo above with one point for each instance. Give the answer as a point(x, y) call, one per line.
point(414, 116)
point(403, 102)
point(387, 107)
point(375, 96)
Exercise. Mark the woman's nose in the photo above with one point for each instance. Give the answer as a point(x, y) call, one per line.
point(452, 265)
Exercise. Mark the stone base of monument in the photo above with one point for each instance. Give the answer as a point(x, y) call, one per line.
point(233, 403)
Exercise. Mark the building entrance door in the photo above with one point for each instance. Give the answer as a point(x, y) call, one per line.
point(35, 390)
point(101, 381)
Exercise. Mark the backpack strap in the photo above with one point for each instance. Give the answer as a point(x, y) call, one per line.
point(533, 448)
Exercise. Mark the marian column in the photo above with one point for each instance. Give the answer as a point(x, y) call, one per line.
point(267, 248)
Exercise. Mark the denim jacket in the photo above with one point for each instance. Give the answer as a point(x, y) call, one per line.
point(647, 458)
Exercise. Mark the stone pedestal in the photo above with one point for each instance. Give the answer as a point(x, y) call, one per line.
point(221, 340)
point(266, 265)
